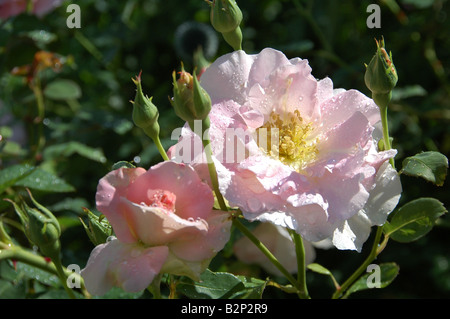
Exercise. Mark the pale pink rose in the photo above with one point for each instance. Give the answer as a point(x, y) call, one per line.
point(278, 240)
point(10, 8)
point(319, 174)
point(164, 222)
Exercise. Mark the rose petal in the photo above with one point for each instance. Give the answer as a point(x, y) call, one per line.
point(223, 81)
point(110, 191)
point(128, 266)
point(352, 233)
point(194, 199)
point(343, 105)
point(382, 200)
point(156, 226)
point(385, 196)
point(179, 267)
point(201, 246)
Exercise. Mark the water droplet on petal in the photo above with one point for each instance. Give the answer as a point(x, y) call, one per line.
point(136, 252)
point(110, 238)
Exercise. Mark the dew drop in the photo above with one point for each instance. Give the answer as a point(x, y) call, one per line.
point(110, 238)
point(136, 252)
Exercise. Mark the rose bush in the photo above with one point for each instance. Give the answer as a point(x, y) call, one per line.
point(164, 222)
point(294, 151)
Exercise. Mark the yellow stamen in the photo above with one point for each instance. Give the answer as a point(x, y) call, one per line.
point(289, 140)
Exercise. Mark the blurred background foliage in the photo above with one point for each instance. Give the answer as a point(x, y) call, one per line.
point(87, 123)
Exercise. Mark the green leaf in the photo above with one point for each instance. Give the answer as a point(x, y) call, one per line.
point(323, 271)
point(401, 93)
point(118, 293)
point(9, 290)
point(70, 148)
point(253, 288)
point(212, 285)
point(319, 269)
point(432, 166)
point(28, 271)
point(11, 150)
point(74, 205)
point(62, 89)
point(32, 177)
point(387, 273)
point(414, 220)
point(54, 294)
point(421, 4)
point(11, 175)
point(45, 181)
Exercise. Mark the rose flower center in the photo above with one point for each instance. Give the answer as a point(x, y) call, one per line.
point(162, 199)
point(286, 138)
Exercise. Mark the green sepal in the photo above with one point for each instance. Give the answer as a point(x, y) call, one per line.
point(98, 228)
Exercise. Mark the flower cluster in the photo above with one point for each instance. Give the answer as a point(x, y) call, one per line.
point(289, 151)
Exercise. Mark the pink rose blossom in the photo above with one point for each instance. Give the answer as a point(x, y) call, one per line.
point(303, 155)
point(10, 8)
point(278, 240)
point(164, 222)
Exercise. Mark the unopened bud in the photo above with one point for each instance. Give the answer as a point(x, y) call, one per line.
point(145, 113)
point(381, 75)
point(226, 17)
point(41, 227)
point(190, 101)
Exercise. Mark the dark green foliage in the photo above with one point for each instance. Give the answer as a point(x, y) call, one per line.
point(87, 124)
